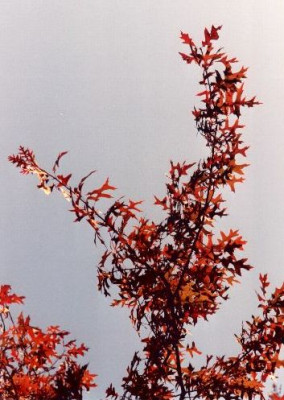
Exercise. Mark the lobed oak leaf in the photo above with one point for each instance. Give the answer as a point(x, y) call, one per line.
point(110, 392)
point(231, 280)
point(186, 39)
point(232, 181)
point(238, 168)
point(96, 194)
point(188, 59)
point(162, 203)
point(9, 298)
point(76, 351)
point(63, 180)
point(214, 32)
point(264, 282)
point(193, 349)
point(56, 164)
point(83, 180)
point(133, 205)
point(88, 380)
point(212, 35)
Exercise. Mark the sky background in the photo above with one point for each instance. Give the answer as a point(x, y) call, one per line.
point(103, 80)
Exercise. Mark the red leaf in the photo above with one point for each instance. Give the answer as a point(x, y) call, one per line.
point(56, 164)
point(9, 298)
point(82, 181)
point(98, 193)
point(63, 180)
point(212, 35)
point(162, 203)
point(186, 39)
point(186, 58)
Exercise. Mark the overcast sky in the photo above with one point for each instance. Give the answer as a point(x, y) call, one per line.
point(103, 79)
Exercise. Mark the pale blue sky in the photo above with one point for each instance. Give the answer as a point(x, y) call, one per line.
point(103, 79)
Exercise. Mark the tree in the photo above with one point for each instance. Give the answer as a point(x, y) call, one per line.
point(37, 364)
point(174, 273)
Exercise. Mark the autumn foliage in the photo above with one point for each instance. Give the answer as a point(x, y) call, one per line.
point(37, 364)
point(174, 273)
